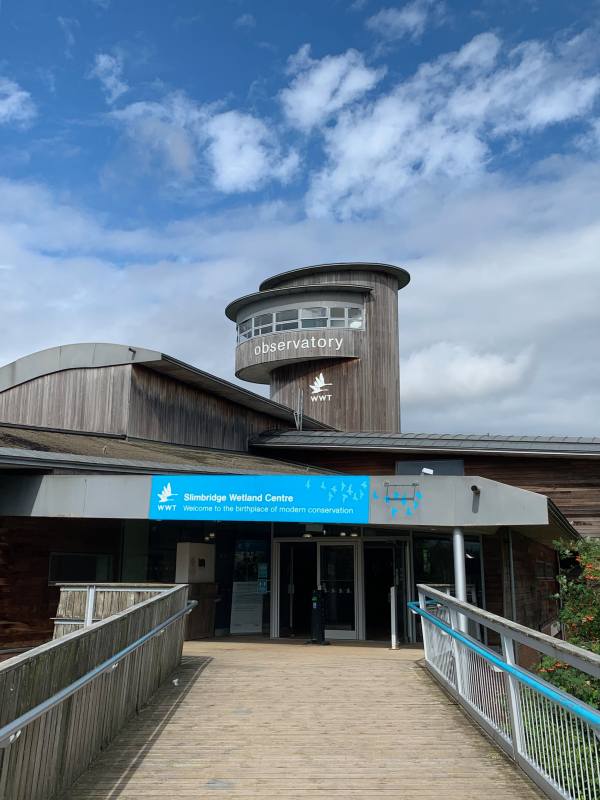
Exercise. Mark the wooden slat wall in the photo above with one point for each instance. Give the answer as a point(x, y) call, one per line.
point(75, 399)
point(572, 483)
point(56, 748)
point(366, 392)
point(165, 410)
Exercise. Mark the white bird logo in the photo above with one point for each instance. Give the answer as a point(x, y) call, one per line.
point(166, 494)
point(319, 384)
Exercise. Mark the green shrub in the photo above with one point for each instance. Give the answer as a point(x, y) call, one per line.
point(579, 595)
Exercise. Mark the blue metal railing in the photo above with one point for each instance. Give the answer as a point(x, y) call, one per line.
point(552, 735)
point(587, 713)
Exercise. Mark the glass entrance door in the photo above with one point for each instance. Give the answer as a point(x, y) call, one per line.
point(336, 565)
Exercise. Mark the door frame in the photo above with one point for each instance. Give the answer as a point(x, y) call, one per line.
point(359, 600)
point(358, 632)
point(405, 592)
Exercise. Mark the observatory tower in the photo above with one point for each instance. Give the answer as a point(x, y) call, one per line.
point(326, 336)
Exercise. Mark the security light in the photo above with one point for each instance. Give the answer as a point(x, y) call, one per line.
point(307, 535)
point(475, 489)
point(426, 471)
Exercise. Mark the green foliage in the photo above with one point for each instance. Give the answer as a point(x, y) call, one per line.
point(579, 593)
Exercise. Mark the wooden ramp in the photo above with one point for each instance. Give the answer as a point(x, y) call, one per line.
point(256, 719)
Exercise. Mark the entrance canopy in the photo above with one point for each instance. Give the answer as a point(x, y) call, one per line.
point(396, 501)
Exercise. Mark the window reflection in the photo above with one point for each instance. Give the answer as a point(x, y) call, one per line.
point(288, 319)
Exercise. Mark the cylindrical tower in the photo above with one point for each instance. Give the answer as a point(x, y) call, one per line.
point(327, 334)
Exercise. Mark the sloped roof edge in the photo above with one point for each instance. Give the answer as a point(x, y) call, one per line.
point(90, 355)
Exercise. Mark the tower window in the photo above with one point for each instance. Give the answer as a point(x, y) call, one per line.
point(263, 323)
point(288, 319)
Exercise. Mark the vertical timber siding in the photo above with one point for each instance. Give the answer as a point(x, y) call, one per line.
point(92, 400)
point(367, 389)
point(165, 410)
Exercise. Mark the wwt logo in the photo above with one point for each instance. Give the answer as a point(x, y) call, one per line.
point(164, 496)
point(317, 387)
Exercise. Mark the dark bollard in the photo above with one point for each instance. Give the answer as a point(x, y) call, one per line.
point(317, 626)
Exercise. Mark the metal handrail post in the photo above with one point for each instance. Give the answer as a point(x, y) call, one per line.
point(514, 697)
point(90, 602)
point(423, 605)
point(394, 617)
point(455, 624)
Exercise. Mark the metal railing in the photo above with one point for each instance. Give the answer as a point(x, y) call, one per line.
point(82, 604)
point(66, 700)
point(554, 737)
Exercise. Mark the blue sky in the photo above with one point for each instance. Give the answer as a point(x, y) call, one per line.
point(159, 158)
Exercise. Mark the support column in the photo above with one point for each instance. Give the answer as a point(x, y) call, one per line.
point(460, 575)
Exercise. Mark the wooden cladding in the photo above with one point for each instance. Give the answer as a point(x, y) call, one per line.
point(133, 401)
point(166, 410)
point(365, 390)
point(76, 399)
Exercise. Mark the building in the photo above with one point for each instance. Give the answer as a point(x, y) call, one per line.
point(119, 463)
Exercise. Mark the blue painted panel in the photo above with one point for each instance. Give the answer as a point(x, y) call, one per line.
point(255, 498)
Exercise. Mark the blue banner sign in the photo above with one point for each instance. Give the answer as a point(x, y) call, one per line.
point(255, 498)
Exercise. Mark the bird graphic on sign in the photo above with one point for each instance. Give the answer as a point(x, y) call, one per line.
point(319, 384)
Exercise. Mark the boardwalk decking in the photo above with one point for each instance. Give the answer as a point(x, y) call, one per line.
point(273, 720)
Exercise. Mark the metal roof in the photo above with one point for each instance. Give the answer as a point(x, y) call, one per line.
point(96, 354)
point(433, 443)
point(233, 309)
point(399, 273)
point(42, 449)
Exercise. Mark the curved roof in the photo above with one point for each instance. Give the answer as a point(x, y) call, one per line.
point(401, 274)
point(99, 354)
point(235, 306)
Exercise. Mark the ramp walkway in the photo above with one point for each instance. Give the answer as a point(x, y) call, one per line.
point(261, 719)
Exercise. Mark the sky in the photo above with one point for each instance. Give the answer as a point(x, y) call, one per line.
point(159, 158)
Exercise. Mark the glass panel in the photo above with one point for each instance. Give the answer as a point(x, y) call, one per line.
point(311, 313)
point(338, 313)
point(285, 316)
point(314, 323)
point(245, 329)
point(264, 329)
point(337, 582)
point(337, 323)
point(263, 319)
point(354, 312)
point(286, 326)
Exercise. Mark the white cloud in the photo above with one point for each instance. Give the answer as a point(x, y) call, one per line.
point(239, 150)
point(450, 371)
point(444, 122)
point(493, 268)
point(244, 153)
point(245, 21)
point(409, 21)
point(68, 25)
point(16, 105)
point(323, 87)
point(165, 131)
point(109, 69)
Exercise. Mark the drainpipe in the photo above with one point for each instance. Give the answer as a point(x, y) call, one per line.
point(460, 574)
